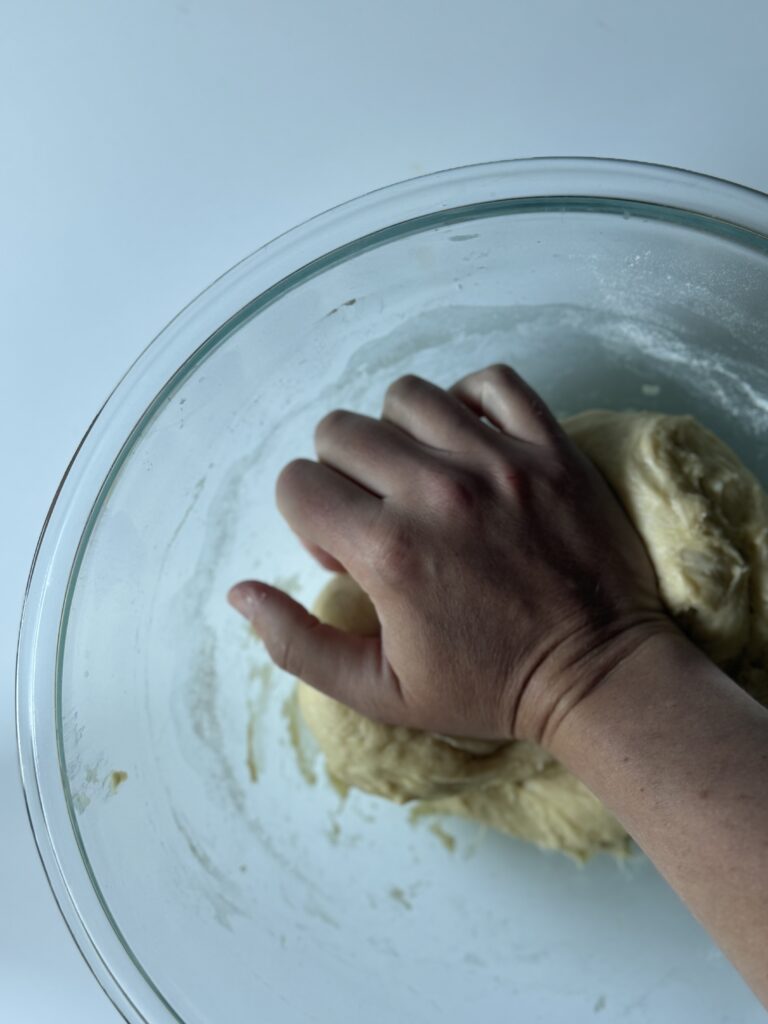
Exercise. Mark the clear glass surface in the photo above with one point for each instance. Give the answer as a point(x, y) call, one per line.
point(203, 873)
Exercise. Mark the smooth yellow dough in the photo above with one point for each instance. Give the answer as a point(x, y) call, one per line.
point(704, 520)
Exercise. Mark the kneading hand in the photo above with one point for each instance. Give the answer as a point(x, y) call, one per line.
point(516, 601)
point(506, 577)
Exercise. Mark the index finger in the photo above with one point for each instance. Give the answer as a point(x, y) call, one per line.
point(328, 510)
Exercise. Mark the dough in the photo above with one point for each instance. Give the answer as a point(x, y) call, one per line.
point(704, 520)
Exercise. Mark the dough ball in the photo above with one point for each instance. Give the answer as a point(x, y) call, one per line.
point(704, 520)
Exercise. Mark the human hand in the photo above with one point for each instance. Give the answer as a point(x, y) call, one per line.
point(507, 578)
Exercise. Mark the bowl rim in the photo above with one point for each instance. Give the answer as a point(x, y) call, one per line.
point(414, 204)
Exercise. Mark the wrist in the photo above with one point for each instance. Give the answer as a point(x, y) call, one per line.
point(644, 682)
point(588, 680)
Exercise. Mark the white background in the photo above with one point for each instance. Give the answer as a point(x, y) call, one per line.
point(147, 146)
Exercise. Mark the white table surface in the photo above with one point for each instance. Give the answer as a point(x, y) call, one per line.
point(145, 147)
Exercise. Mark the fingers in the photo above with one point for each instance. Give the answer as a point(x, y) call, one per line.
point(377, 454)
point(335, 506)
point(327, 510)
point(504, 398)
point(432, 416)
point(348, 668)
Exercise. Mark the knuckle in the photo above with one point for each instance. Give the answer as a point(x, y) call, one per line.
point(453, 493)
point(565, 476)
point(396, 554)
point(515, 483)
point(500, 373)
point(547, 423)
point(333, 423)
point(289, 648)
point(293, 476)
point(402, 388)
point(511, 480)
point(282, 650)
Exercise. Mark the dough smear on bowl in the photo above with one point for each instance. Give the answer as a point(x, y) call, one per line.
point(704, 520)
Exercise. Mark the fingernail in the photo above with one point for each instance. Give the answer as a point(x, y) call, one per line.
point(246, 598)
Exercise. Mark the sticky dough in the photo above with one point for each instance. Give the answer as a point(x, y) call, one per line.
point(704, 520)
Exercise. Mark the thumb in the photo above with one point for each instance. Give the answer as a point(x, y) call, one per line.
point(347, 667)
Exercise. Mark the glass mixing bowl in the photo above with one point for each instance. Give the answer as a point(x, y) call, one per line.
point(206, 868)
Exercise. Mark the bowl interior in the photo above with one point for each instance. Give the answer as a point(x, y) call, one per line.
point(243, 885)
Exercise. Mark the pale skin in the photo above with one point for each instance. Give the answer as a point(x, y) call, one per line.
point(517, 602)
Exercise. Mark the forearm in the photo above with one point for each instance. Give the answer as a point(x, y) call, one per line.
point(680, 755)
